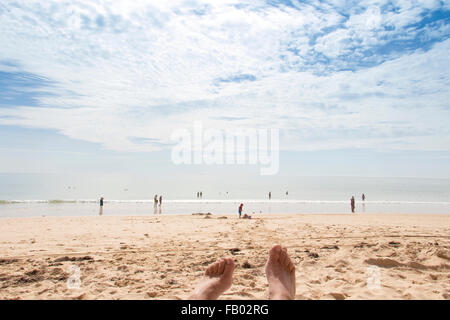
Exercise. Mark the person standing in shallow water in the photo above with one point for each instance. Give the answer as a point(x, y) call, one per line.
point(155, 204)
point(270, 195)
point(101, 205)
point(352, 204)
point(240, 210)
point(363, 197)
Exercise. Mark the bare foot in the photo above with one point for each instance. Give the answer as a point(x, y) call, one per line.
point(217, 279)
point(280, 273)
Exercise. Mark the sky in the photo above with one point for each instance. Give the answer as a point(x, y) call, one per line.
point(96, 88)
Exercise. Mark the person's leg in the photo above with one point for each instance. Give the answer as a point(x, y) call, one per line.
point(217, 279)
point(280, 273)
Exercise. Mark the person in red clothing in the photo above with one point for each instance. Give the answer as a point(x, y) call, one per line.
point(240, 210)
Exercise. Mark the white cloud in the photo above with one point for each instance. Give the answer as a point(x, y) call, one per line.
point(335, 43)
point(130, 69)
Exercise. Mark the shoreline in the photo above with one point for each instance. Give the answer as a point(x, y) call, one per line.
point(169, 207)
point(255, 216)
point(263, 214)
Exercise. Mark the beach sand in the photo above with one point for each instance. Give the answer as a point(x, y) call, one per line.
point(359, 256)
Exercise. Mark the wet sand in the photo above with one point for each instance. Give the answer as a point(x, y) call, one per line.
point(360, 256)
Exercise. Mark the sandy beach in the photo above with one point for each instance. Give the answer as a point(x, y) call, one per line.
point(360, 256)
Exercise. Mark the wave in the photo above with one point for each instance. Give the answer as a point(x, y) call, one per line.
point(224, 201)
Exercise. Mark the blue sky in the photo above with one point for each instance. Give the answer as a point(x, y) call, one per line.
point(355, 87)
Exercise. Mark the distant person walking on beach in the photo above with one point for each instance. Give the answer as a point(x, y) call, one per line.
point(363, 197)
point(201, 194)
point(240, 210)
point(160, 201)
point(155, 200)
point(101, 205)
point(270, 195)
point(352, 203)
point(287, 193)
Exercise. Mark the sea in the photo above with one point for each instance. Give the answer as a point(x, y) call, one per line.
point(308, 195)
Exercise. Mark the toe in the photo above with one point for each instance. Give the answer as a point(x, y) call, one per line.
point(216, 267)
point(221, 266)
point(229, 267)
point(275, 252)
point(284, 258)
point(290, 265)
point(209, 270)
